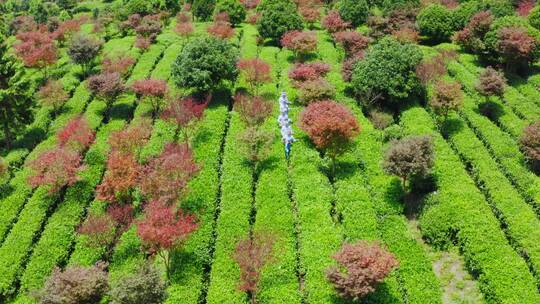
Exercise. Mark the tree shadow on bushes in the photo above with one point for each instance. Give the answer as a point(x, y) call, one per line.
point(420, 188)
point(119, 111)
point(451, 126)
point(183, 261)
point(492, 110)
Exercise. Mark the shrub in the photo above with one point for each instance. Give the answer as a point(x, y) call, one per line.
point(409, 157)
point(163, 229)
point(463, 13)
point(447, 96)
point(352, 42)
point(253, 111)
point(435, 21)
point(142, 7)
point(316, 90)
point(333, 22)
point(381, 120)
point(83, 49)
point(252, 254)
point(302, 72)
point(534, 17)
point(22, 24)
point(152, 91)
point(106, 85)
point(468, 41)
point(277, 18)
point(75, 285)
point(491, 83)
point(144, 286)
point(52, 94)
point(361, 268)
point(203, 9)
point(530, 144)
point(331, 127)
point(235, 10)
point(36, 49)
point(166, 176)
point(256, 72)
point(55, 169)
point(354, 11)
point(204, 63)
point(406, 35)
point(387, 71)
point(76, 134)
point(120, 179)
point(99, 229)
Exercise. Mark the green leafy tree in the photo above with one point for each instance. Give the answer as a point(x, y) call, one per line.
point(277, 18)
point(354, 11)
point(233, 8)
point(436, 22)
point(202, 9)
point(387, 72)
point(15, 98)
point(204, 63)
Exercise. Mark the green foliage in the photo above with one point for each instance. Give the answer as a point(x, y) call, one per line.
point(204, 63)
point(235, 10)
point(436, 22)
point(15, 98)
point(277, 18)
point(388, 71)
point(354, 11)
point(463, 13)
point(499, 8)
point(203, 9)
point(391, 5)
point(142, 7)
point(145, 286)
point(534, 17)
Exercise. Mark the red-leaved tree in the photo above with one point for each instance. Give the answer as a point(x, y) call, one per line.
point(76, 135)
point(152, 91)
point(106, 86)
point(99, 230)
point(120, 180)
point(185, 113)
point(301, 43)
point(164, 229)
point(253, 110)
point(131, 140)
point(331, 126)
point(52, 94)
point(3, 168)
point(165, 177)
point(333, 22)
point(65, 30)
point(362, 267)
point(252, 254)
point(256, 72)
point(184, 27)
point(36, 49)
point(121, 214)
point(120, 65)
point(302, 72)
point(524, 7)
point(221, 27)
point(55, 169)
point(516, 46)
point(352, 42)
